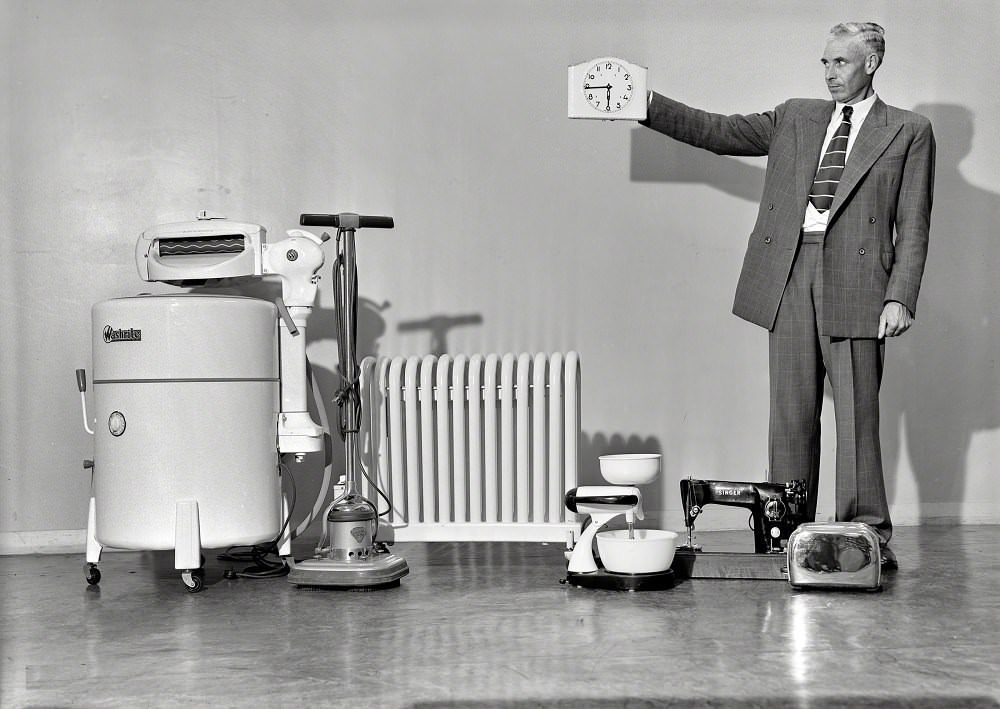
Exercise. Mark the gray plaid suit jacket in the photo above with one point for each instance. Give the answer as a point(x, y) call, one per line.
point(877, 234)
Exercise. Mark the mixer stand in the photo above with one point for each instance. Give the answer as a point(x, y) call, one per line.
point(610, 581)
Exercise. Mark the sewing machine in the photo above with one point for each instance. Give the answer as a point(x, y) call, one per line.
point(776, 510)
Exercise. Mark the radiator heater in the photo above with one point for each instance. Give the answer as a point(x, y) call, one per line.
point(479, 448)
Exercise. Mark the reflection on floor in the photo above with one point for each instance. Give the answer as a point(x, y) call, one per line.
point(489, 625)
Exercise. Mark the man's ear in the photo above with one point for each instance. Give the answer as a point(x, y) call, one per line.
point(872, 62)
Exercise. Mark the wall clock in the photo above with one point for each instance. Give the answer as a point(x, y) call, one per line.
point(607, 88)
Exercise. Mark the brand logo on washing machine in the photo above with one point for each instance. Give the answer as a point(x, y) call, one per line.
point(122, 334)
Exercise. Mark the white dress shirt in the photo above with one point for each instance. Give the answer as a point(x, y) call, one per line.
point(816, 220)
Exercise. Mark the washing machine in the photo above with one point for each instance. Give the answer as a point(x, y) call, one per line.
point(186, 404)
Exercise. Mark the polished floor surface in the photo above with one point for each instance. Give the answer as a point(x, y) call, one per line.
point(489, 625)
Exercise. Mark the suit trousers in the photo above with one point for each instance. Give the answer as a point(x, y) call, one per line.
point(800, 359)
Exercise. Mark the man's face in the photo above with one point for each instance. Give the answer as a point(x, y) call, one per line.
point(848, 69)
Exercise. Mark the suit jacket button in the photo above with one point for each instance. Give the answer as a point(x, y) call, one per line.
point(861, 252)
point(872, 220)
point(767, 239)
point(770, 206)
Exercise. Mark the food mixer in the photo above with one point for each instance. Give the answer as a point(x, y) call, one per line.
point(630, 559)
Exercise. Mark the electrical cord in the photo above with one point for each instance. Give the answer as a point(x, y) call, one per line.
point(383, 513)
point(257, 554)
point(350, 391)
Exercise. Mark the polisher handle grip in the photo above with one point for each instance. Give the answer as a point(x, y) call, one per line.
point(81, 380)
point(347, 221)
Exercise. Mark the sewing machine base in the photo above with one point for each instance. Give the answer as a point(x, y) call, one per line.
point(690, 564)
point(610, 581)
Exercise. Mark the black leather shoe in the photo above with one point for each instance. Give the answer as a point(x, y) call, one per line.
point(889, 562)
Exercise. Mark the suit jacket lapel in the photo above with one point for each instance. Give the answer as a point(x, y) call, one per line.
point(810, 133)
point(875, 135)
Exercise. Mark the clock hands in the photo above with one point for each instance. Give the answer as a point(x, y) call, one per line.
point(606, 86)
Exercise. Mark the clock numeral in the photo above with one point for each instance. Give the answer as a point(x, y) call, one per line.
point(627, 77)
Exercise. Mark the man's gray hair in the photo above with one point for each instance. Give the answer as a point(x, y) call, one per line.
point(870, 34)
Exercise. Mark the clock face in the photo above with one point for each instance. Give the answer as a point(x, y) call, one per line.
point(607, 86)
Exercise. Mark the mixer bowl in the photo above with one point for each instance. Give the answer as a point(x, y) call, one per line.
point(630, 468)
point(651, 550)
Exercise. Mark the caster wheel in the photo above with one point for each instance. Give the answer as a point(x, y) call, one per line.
point(93, 574)
point(194, 580)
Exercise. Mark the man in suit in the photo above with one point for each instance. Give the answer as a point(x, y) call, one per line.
point(834, 261)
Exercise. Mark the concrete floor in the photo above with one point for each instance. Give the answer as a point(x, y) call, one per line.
point(489, 625)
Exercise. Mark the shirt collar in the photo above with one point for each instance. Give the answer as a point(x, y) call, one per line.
point(861, 109)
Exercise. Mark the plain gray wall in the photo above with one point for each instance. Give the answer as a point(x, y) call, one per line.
point(517, 229)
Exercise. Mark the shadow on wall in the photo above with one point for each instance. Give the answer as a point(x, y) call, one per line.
point(439, 326)
point(323, 327)
point(657, 158)
point(939, 365)
point(949, 362)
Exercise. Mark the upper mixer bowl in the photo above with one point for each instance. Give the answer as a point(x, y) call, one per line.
point(630, 468)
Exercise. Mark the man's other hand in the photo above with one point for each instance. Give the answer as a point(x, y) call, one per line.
point(895, 320)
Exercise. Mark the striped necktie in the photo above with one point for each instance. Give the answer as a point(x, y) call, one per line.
point(831, 167)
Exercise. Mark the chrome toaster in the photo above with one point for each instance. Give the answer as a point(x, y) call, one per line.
point(834, 555)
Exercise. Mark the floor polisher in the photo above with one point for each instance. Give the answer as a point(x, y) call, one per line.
point(349, 556)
